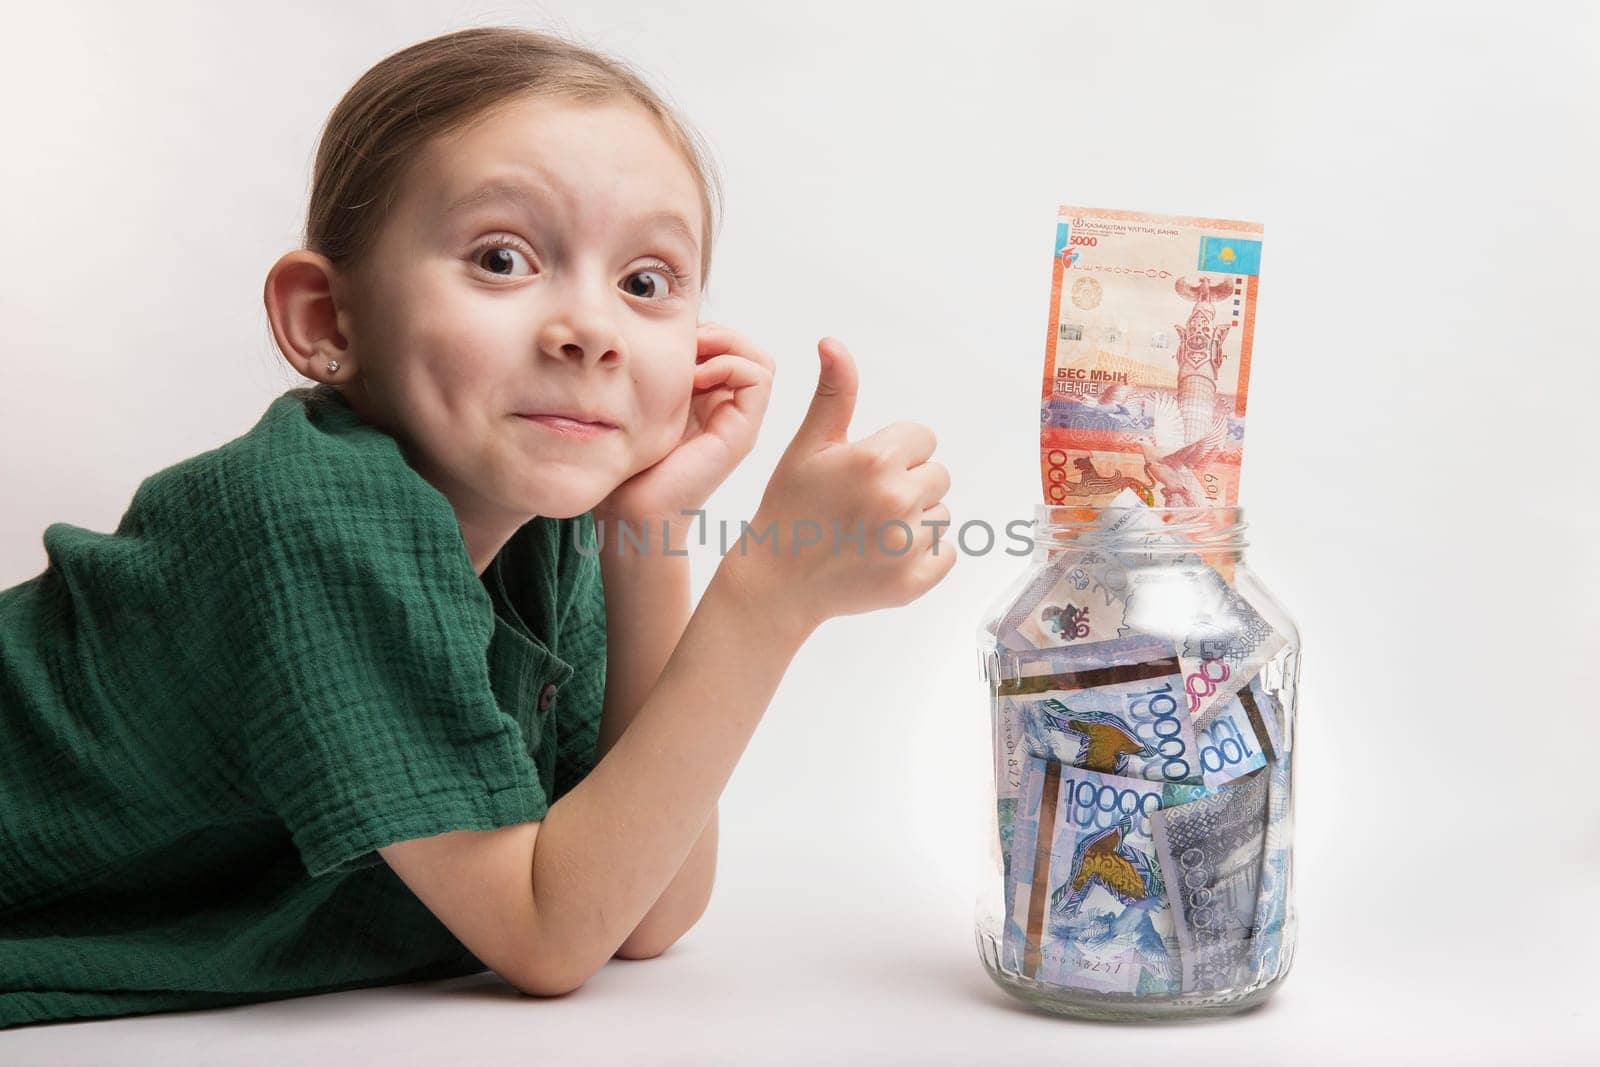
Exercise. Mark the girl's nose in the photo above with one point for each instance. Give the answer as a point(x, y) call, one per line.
point(580, 328)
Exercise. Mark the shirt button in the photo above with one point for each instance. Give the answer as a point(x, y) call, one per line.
point(547, 697)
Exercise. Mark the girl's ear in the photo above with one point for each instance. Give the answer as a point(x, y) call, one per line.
point(299, 297)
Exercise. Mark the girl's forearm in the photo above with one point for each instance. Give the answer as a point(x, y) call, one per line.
point(610, 846)
point(647, 609)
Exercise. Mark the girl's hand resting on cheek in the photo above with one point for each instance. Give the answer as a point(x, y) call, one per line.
point(823, 480)
point(732, 384)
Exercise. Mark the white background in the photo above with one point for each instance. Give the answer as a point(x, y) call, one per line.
point(1419, 475)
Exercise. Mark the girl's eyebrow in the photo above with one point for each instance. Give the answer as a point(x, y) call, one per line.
point(511, 189)
point(515, 191)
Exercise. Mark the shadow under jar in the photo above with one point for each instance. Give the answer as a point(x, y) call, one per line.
point(1141, 684)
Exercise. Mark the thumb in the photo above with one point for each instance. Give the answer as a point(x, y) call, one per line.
point(828, 417)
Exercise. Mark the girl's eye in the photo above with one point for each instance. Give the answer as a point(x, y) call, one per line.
point(661, 270)
point(501, 255)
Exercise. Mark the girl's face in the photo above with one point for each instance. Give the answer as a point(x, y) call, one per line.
point(527, 265)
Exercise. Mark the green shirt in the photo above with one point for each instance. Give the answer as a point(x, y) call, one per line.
point(280, 661)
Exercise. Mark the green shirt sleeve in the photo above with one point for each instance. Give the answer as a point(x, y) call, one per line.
point(366, 707)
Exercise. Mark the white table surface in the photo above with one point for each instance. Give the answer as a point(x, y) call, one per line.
point(796, 985)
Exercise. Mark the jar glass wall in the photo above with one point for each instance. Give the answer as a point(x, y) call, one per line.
point(1141, 684)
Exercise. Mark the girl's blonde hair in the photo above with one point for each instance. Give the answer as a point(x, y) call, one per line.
point(442, 85)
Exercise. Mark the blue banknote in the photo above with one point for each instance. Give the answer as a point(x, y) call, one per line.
point(1086, 901)
point(1210, 852)
point(1232, 743)
point(1271, 934)
point(1131, 720)
point(1024, 678)
point(1136, 729)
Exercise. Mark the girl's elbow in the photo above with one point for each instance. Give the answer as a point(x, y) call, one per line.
point(640, 949)
point(547, 983)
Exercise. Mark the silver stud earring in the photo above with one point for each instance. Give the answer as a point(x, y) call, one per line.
point(333, 366)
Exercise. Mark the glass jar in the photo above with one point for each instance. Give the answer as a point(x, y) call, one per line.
point(1141, 685)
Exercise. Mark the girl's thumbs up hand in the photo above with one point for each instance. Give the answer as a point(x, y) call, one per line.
point(827, 420)
point(844, 524)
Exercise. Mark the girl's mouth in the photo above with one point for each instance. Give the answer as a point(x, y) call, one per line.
point(569, 427)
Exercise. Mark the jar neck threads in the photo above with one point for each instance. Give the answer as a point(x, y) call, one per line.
point(1217, 533)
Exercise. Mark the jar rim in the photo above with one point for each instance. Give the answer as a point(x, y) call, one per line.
point(1139, 526)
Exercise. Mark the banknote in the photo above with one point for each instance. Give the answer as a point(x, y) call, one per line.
point(1134, 722)
point(1270, 952)
point(1263, 709)
point(1147, 362)
point(1087, 599)
point(1275, 684)
point(1011, 675)
point(1269, 956)
point(1210, 853)
point(1118, 652)
point(1024, 726)
point(1087, 903)
point(1077, 599)
point(1061, 703)
point(1006, 825)
point(1232, 743)
point(1128, 729)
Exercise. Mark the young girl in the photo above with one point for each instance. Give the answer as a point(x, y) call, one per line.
point(353, 699)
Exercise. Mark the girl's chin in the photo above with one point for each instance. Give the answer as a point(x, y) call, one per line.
point(559, 490)
point(563, 505)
